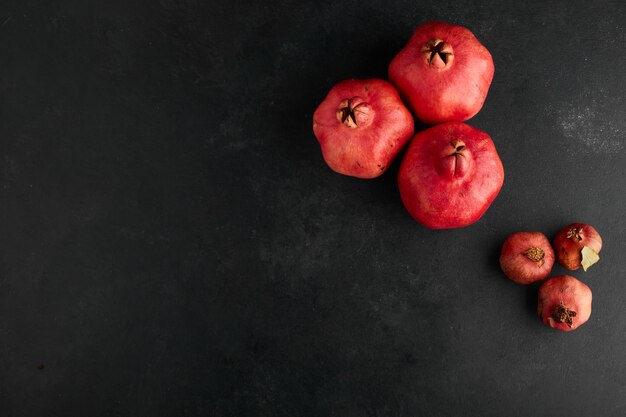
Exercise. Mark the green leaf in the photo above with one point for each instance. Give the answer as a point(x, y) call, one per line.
point(590, 257)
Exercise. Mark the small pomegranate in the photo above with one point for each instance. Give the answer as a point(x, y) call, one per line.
point(527, 257)
point(564, 303)
point(361, 126)
point(577, 245)
point(450, 175)
point(443, 72)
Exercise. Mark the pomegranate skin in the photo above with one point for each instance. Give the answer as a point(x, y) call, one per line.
point(527, 257)
point(564, 303)
point(441, 84)
point(450, 175)
point(570, 241)
point(361, 127)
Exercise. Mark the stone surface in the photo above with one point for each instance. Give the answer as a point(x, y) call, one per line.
point(172, 243)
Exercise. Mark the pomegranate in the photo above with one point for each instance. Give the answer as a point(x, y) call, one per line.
point(577, 244)
point(564, 303)
point(527, 257)
point(450, 175)
point(443, 72)
point(361, 126)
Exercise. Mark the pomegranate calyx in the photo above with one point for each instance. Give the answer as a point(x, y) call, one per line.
point(437, 53)
point(575, 233)
point(535, 254)
point(458, 146)
point(459, 166)
point(353, 112)
point(562, 314)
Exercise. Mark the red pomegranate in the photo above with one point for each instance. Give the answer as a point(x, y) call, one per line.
point(570, 242)
point(361, 126)
point(450, 175)
point(443, 72)
point(564, 303)
point(527, 257)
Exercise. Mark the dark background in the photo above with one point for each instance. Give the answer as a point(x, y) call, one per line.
point(173, 244)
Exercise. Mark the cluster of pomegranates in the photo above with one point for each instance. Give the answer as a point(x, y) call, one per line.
point(527, 257)
point(451, 172)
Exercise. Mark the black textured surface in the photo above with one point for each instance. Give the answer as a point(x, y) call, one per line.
point(172, 243)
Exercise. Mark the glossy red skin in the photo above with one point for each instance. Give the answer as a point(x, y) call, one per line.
point(569, 250)
point(454, 93)
point(437, 195)
point(569, 291)
point(367, 150)
point(520, 268)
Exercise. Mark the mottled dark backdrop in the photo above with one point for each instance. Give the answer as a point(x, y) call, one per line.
point(172, 243)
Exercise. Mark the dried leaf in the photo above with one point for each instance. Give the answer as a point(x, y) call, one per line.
point(590, 257)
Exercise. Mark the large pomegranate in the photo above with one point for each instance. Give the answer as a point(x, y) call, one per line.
point(361, 126)
point(450, 175)
point(443, 72)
